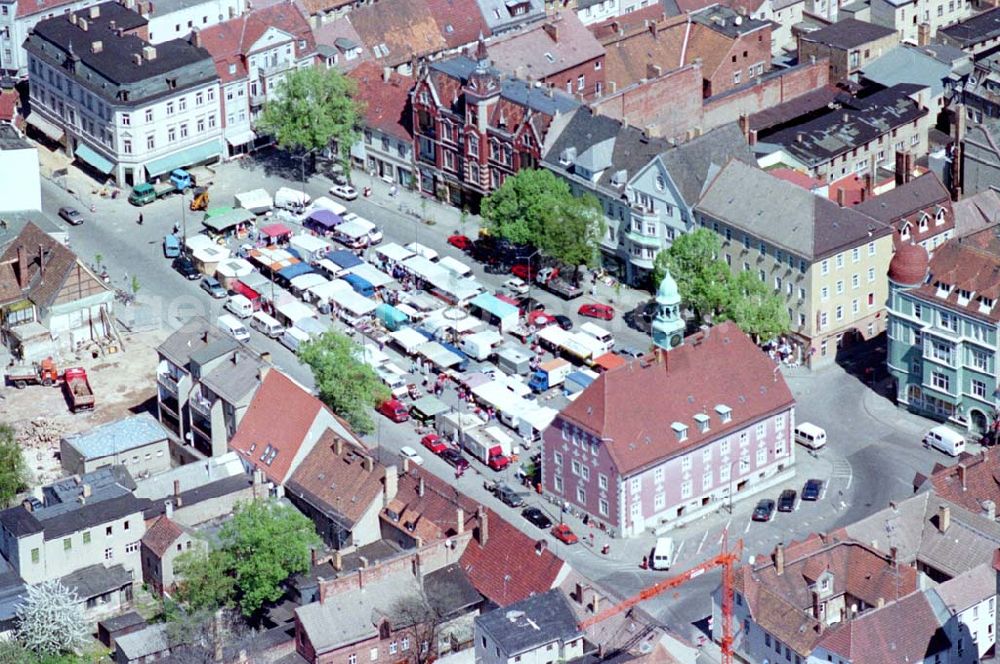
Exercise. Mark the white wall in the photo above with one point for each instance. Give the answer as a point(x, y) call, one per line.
point(167, 25)
point(20, 188)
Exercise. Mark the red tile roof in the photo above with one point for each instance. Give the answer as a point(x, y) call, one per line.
point(968, 483)
point(9, 101)
point(405, 29)
point(276, 425)
point(563, 36)
point(971, 263)
point(386, 102)
point(230, 42)
point(633, 407)
point(338, 35)
point(797, 177)
point(460, 21)
point(161, 535)
point(29, 7)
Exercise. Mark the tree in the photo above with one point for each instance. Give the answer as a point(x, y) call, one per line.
point(50, 620)
point(14, 475)
point(756, 308)
point(197, 634)
point(574, 233)
point(202, 586)
point(702, 279)
point(418, 618)
point(347, 385)
point(312, 108)
point(524, 205)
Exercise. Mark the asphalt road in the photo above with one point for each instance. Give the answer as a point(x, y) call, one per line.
point(871, 458)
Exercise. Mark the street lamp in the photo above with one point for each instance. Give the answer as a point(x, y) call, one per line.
point(732, 484)
point(530, 277)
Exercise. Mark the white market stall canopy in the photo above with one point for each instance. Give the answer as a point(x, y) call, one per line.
point(355, 303)
point(439, 321)
point(439, 355)
point(408, 339)
point(310, 244)
point(326, 290)
point(371, 274)
point(305, 282)
point(393, 252)
point(295, 310)
point(455, 266)
point(235, 268)
point(330, 267)
point(355, 228)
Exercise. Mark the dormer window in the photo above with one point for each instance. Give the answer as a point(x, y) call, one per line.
point(924, 220)
point(939, 217)
point(904, 232)
point(681, 430)
point(986, 304)
point(725, 413)
point(964, 296)
point(567, 156)
point(702, 420)
point(549, 57)
point(943, 289)
point(619, 178)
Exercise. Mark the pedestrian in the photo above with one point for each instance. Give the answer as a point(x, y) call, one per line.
point(177, 227)
point(140, 218)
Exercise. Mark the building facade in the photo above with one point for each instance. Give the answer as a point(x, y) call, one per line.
point(139, 443)
point(919, 210)
point(942, 341)
point(127, 109)
point(849, 45)
point(918, 22)
point(386, 147)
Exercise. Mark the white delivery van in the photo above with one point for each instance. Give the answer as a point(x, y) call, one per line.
point(233, 327)
point(606, 339)
point(810, 435)
point(292, 338)
point(240, 305)
point(287, 198)
point(663, 553)
point(946, 440)
point(266, 324)
point(394, 378)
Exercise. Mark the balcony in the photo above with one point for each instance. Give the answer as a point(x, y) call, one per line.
point(201, 425)
point(274, 68)
point(169, 404)
point(168, 382)
point(200, 405)
point(258, 99)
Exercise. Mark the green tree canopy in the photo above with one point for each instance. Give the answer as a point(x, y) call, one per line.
point(14, 475)
point(574, 234)
point(524, 205)
point(313, 107)
point(702, 279)
point(347, 385)
point(262, 545)
point(755, 307)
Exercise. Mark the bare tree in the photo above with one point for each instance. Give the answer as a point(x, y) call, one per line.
point(201, 637)
point(417, 619)
point(50, 620)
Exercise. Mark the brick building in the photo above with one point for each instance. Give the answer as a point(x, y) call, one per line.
point(473, 127)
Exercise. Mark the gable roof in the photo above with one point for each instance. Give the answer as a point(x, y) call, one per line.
point(629, 53)
point(784, 214)
point(386, 102)
point(161, 535)
point(632, 408)
point(459, 21)
point(543, 49)
point(338, 37)
point(972, 480)
point(980, 27)
point(971, 263)
point(46, 265)
point(276, 425)
point(405, 29)
point(901, 201)
point(974, 213)
point(909, 64)
point(692, 164)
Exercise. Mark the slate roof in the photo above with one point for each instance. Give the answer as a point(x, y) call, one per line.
point(459, 21)
point(406, 28)
point(692, 165)
point(41, 287)
point(236, 378)
point(161, 535)
point(974, 213)
point(526, 54)
point(96, 580)
point(338, 484)
point(784, 214)
point(805, 104)
point(633, 408)
point(848, 33)
point(972, 264)
point(909, 202)
point(154, 507)
point(449, 590)
point(118, 436)
point(858, 122)
point(195, 336)
point(530, 623)
point(387, 103)
point(978, 28)
point(269, 441)
point(89, 515)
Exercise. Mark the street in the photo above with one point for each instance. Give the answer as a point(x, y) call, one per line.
point(873, 453)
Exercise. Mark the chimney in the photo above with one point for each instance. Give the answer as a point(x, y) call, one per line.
point(880, 602)
point(900, 168)
point(406, 466)
point(386, 73)
point(82, 23)
point(867, 181)
point(168, 508)
point(26, 504)
point(196, 37)
point(779, 559)
point(96, 46)
point(149, 53)
point(420, 487)
point(368, 464)
point(552, 30)
point(314, 557)
point(846, 117)
point(95, 11)
point(923, 34)
point(893, 554)
point(87, 490)
point(595, 605)
point(483, 520)
point(578, 595)
point(961, 476)
point(22, 268)
point(840, 197)
point(908, 175)
point(459, 520)
point(990, 510)
point(653, 71)
point(338, 446)
point(800, 137)
point(540, 547)
point(337, 561)
point(73, 19)
point(391, 487)
point(654, 28)
point(944, 518)
point(113, 25)
point(816, 605)
point(752, 137)
point(137, 59)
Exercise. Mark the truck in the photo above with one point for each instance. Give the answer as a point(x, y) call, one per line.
point(487, 448)
point(549, 279)
point(549, 374)
point(38, 373)
point(146, 193)
point(78, 390)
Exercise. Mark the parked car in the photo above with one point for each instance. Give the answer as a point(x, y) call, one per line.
point(460, 242)
point(516, 286)
point(394, 410)
point(564, 534)
point(602, 311)
point(813, 490)
point(455, 459)
point(71, 216)
point(628, 351)
point(508, 496)
point(186, 267)
point(564, 322)
point(529, 304)
point(345, 191)
point(524, 271)
point(764, 510)
point(212, 286)
point(410, 454)
point(788, 500)
point(536, 517)
point(433, 442)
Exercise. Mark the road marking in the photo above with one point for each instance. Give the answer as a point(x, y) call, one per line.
point(747, 529)
point(702, 544)
point(678, 554)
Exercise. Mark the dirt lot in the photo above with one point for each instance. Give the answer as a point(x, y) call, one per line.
point(124, 383)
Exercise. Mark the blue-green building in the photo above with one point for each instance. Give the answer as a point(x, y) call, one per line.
point(942, 329)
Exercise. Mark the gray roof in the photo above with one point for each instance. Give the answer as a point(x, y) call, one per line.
point(943, 52)
point(149, 641)
point(96, 580)
point(847, 34)
point(690, 164)
point(784, 214)
point(124, 621)
point(969, 588)
point(213, 350)
point(194, 336)
point(119, 436)
point(908, 64)
point(860, 121)
point(532, 622)
point(497, 13)
point(190, 476)
point(223, 487)
point(917, 194)
point(450, 591)
point(974, 213)
point(236, 378)
point(723, 19)
point(12, 590)
point(93, 514)
point(978, 28)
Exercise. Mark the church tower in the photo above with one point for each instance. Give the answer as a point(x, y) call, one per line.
point(668, 326)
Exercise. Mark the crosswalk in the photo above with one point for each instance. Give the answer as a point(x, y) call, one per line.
point(842, 470)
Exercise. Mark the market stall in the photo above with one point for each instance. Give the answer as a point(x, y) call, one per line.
point(408, 340)
point(495, 311)
point(278, 234)
point(232, 269)
point(372, 275)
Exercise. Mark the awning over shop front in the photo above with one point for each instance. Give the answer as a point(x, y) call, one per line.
point(46, 127)
point(241, 137)
point(192, 155)
point(90, 156)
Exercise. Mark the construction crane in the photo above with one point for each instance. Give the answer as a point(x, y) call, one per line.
point(726, 559)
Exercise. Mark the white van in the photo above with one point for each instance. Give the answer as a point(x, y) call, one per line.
point(240, 305)
point(606, 338)
point(266, 324)
point(233, 327)
point(394, 378)
point(810, 435)
point(663, 553)
point(287, 198)
point(292, 338)
point(946, 440)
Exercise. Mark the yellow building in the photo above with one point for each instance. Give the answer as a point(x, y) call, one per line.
point(827, 262)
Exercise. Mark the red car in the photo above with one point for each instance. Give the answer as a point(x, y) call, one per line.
point(394, 410)
point(540, 318)
point(563, 533)
point(460, 242)
point(524, 271)
point(433, 442)
point(602, 311)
